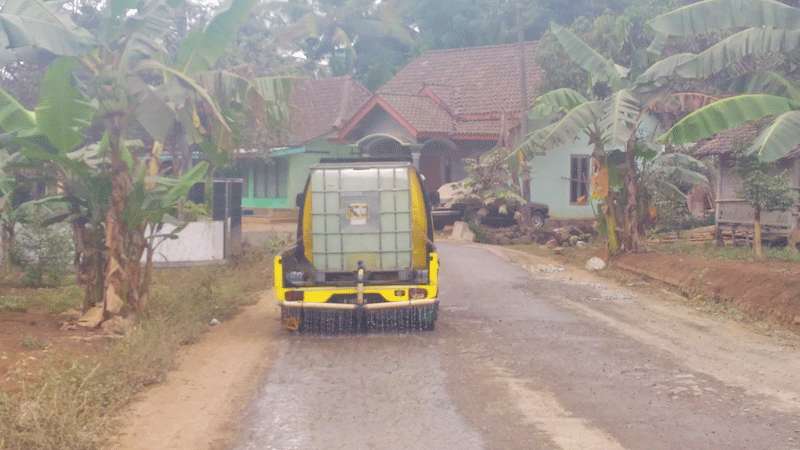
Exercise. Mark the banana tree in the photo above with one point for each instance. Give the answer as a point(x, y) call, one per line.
point(9, 190)
point(612, 124)
point(766, 28)
point(44, 139)
point(37, 139)
point(123, 80)
point(763, 42)
point(608, 124)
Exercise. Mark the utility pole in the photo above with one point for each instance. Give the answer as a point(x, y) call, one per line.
point(523, 79)
point(523, 98)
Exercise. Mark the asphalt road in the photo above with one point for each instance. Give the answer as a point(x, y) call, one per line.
point(527, 355)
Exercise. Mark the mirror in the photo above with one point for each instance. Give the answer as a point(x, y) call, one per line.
point(433, 198)
point(300, 200)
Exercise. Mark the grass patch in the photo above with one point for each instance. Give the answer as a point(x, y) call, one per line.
point(784, 254)
point(33, 343)
point(74, 404)
point(13, 303)
point(49, 300)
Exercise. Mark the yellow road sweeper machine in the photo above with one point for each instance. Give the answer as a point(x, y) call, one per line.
point(364, 258)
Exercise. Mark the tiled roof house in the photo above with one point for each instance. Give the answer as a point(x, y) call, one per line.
point(441, 108)
point(446, 105)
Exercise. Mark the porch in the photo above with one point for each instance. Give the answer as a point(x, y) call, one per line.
point(439, 160)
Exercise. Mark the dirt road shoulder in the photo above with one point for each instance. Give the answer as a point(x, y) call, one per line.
point(725, 349)
point(199, 404)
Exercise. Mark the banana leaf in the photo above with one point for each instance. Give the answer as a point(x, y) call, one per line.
point(779, 139)
point(724, 115)
point(711, 16)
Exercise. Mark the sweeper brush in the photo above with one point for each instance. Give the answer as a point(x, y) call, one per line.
point(330, 322)
point(364, 259)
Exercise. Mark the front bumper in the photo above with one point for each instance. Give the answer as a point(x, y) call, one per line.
point(351, 307)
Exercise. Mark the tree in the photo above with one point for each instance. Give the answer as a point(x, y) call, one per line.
point(342, 37)
point(762, 29)
point(765, 192)
point(468, 23)
point(115, 76)
point(622, 35)
point(613, 123)
point(85, 182)
point(488, 183)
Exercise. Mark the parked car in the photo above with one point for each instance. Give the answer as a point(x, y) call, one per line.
point(451, 207)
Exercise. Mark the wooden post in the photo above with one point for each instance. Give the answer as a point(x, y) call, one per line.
point(758, 245)
point(794, 233)
point(525, 179)
point(718, 205)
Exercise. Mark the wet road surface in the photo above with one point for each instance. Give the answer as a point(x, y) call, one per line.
point(528, 355)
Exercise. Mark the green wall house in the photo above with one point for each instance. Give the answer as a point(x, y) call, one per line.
point(561, 179)
point(446, 106)
point(274, 176)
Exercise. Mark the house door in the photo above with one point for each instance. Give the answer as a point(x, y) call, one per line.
point(432, 166)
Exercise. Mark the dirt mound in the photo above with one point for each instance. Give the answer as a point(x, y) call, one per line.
point(765, 291)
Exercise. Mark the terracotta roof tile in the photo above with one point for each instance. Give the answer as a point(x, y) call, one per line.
point(472, 81)
point(421, 112)
point(482, 127)
point(461, 92)
point(320, 106)
point(726, 142)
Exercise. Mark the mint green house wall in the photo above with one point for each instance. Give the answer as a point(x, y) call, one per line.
point(550, 181)
point(550, 175)
point(291, 168)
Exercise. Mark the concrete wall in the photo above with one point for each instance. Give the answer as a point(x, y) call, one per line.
point(550, 181)
point(197, 243)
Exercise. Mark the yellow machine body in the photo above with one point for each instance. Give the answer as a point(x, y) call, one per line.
point(365, 244)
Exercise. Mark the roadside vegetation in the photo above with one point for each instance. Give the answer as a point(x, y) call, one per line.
point(75, 402)
point(712, 251)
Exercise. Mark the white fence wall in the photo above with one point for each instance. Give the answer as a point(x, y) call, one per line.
point(198, 242)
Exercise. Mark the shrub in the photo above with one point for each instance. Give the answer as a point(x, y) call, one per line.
point(44, 254)
point(673, 213)
point(33, 343)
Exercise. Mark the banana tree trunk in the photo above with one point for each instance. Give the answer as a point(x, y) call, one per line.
point(602, 192)
point(90, 263)
point(120, 278)
point(632, 235)
point(612, 239)
point(758, 245)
